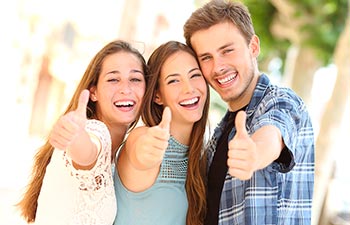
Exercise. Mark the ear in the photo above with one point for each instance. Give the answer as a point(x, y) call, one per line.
point(157, 99)
point(254, 46)
point(93, 96)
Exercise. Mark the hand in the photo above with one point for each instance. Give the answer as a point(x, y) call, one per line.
point(70, 125)
point(242, 152)
point(152, 145)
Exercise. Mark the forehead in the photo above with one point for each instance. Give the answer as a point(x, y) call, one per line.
point(179, 62)
point(121, 59)
point(214, 37)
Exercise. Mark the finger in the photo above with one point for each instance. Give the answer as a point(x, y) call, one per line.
point(240, 174)
point(66, 127)
point(236, 153)
point(240, 123)
point(166, 119)
point(83, 101)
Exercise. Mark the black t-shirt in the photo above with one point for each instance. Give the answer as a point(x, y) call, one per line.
point(217, 173)
point(218, 170)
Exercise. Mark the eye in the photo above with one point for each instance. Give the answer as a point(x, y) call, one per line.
point(112, 80)
point(226, 51)
point(136, 76)
point(196, 75)
point(205, 58)
point(172, 81)
point(136, 80)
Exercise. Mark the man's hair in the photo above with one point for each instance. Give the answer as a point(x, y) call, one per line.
point(219, 11)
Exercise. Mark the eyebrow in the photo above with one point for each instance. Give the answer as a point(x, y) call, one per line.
point(176, 74)
point(220, 48)
point(117, 71)
point(137, 71)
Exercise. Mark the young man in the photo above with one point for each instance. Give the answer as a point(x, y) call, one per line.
point(261, 156)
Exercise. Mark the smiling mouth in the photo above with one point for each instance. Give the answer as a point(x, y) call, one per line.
point(190, 102)
point(122, 104)
point(227, 79)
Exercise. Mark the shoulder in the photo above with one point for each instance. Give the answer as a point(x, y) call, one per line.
point(93, 124)
point(137, 132)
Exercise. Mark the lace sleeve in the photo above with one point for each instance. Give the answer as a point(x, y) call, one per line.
point(99, 175)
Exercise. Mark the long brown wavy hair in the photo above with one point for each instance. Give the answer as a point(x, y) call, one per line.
point(152, 115)
point(28, 204)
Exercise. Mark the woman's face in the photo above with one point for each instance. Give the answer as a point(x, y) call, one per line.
point(120, 89)
point(182, 88)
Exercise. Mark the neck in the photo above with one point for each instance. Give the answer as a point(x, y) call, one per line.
point(245, 97)
point(117, 135)
point(181, 132)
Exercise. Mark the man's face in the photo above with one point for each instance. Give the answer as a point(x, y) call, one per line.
point(227, 61)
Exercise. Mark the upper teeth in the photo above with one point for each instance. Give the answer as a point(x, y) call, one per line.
point(125, 103)
point(190, 101)
point(226, 79)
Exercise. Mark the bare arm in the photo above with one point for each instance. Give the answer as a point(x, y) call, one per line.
point(140, 159)
point(69, 134)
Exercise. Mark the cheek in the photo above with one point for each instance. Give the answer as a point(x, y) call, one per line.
point(140, 91)
point(205, 68)
point(201, 83)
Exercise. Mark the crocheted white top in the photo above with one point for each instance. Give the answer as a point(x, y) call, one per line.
point(71, 196)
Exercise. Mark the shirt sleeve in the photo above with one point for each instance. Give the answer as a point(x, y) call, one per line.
point(95, 177)
point(283, 112)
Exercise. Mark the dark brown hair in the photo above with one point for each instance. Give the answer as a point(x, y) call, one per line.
point(219, 11)
point(152, 115)
point(28, 204)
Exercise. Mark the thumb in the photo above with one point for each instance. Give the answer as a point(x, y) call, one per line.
point(166, 118)
point(240, 122)
point(83, 101)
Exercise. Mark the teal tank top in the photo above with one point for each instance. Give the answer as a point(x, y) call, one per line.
point(164, 203)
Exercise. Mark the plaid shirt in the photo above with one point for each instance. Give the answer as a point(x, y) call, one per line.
point(282, 192)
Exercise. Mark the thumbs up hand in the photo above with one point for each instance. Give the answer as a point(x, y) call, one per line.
point(242, 151)
point(152, 145)
point(71, 125)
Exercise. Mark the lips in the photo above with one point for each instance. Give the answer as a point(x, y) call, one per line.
point(190, 102)
point(122, 104)
point(227, 79)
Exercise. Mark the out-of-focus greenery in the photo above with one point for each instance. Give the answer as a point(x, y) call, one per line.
point(262, 13)
point(325, 21)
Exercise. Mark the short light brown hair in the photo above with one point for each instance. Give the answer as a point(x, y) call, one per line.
point(219, 11)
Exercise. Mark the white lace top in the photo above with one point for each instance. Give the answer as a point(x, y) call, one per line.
point(71, 196)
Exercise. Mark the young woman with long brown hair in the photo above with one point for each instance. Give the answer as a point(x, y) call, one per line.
point(72, 181)
point(160, 176)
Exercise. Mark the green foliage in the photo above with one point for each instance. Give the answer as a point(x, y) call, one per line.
point(326, 22)
point(262, 13)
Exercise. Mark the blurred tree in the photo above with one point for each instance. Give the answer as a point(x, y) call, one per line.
point(128, 27)
point(332, 119)
point(312, 29)
point(262, 13)
point(302, 33)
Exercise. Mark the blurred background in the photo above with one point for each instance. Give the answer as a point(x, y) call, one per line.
point(46, 46)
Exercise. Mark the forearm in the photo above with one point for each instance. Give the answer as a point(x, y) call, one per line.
point(83, 150)
point(136, 157)
point(133, 178)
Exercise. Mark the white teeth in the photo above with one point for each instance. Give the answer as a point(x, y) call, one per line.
point(190, 101)
point(226, 79)
point(124, 103)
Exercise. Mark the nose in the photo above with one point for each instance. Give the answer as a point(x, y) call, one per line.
point(188, 87)
point(124, 87)
point(219, 66)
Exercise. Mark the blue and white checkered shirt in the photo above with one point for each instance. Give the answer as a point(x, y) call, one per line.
point(282, 192)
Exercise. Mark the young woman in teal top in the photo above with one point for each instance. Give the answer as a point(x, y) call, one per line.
point(161, 168)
